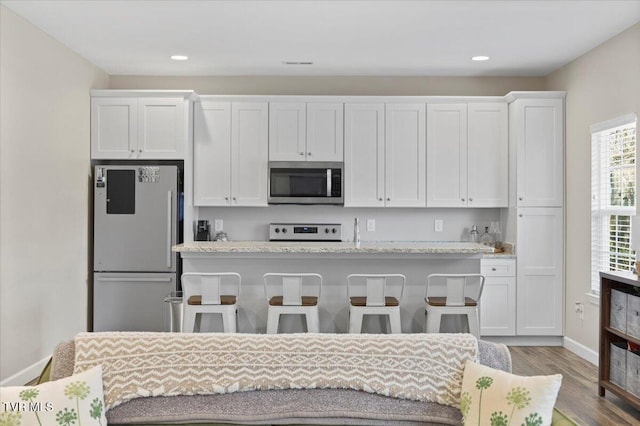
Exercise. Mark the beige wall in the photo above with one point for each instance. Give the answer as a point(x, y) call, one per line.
point(602, 84)
point(337, 85)
point(44, 177)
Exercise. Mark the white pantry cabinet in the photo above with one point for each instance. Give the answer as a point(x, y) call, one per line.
point(538, 130)
point(467, 155)
point(153, 128)
point(498, 301)
point(384, 155)
point(230, 153)
point(540, 293)
point(301, 131)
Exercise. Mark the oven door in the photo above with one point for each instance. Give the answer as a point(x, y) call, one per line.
point(305, 183)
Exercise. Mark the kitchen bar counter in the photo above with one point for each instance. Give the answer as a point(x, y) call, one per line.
point(373, 247)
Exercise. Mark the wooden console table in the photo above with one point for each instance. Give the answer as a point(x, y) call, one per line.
point(623, 281)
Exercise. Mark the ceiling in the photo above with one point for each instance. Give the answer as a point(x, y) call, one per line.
point(340, 37)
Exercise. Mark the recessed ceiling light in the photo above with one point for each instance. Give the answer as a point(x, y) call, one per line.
point(179, 57)
point(297, 62)
point(480, 58)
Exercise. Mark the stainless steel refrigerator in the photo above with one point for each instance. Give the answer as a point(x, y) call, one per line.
point(136, 209)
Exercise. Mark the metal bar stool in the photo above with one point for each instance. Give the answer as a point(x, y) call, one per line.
point(461, 298)
point(375, 294)
point(210, 293)
point(292, 294)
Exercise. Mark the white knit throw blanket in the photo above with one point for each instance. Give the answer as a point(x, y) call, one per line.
point(424, 367)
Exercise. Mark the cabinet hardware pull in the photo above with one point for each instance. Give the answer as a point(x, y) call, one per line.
point(139, 150)
point(234, 198)
point(379, 199)
point(493, 269)
point(308, 153)
point(470, 199)
point(520, 198)
point(226, 198)
point(388, 199)
point(302, 153)
point(462, 199)
point(169, 220)
point(521, 215)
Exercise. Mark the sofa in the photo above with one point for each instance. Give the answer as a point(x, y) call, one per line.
point(281, 406)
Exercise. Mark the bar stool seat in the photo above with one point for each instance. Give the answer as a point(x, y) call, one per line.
point(202, 295)
point(463, 291)
point(296, 294)
point(375, 294)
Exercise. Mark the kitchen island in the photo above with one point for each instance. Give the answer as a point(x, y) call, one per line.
point(334, 261)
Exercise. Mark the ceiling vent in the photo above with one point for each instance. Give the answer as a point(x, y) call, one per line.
point(297, 62)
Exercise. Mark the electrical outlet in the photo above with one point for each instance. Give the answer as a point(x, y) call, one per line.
point(579, 308)
point(438, 225)
point(218, 225)
point(371, 225)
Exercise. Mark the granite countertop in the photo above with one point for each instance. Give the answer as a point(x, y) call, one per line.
point(373, 247)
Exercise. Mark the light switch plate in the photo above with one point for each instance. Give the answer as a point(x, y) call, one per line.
point(218, 225)
point(438, 225)
point(371, 225)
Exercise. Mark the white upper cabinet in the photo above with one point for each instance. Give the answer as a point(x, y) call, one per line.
point(325, 132)
point(467, 155)
point(364, 155)
point(446, 155)
point(138, 128)
point(405, 155)
point(487, 155)
point(384, 155)
point(230, 153)
point(305, 131)
point(539, 142)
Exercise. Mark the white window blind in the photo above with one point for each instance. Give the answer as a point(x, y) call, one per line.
point(613, 196)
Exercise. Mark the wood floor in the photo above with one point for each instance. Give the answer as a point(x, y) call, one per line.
point(578, 397)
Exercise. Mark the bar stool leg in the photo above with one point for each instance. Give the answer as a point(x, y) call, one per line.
point(394, 322)
point(229, 321)
point(355, 321)
point(472, 319)
point(433, 321)
point(273, 319)
point(188, 321)
point(313, 323)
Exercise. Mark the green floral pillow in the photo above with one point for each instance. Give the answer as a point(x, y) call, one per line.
point(75, 400)
point(496, 398)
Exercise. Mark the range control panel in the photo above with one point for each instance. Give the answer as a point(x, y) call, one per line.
point(305, 232)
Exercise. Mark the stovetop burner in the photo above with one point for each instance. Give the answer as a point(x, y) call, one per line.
point(305, 232)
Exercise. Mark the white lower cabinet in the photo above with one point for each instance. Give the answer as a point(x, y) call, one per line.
point(230, 153)
point(540, 301)
point(498, 301)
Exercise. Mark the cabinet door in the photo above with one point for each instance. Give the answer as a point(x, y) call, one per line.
point(114, 128)
point(539, 150)
point(447, 155)
point(161, 128)
point(487, 154)
point(364, 155)
point(405, 161)
point(287, 131)
point(325, 132)
point(249, 153)
point(539, 271)
point(212, 154)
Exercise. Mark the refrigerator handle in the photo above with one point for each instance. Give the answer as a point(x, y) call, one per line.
point(135, 279)
point(169, 197)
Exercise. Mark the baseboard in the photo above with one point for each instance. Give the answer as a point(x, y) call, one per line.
point(581, 350)
point(26, 375)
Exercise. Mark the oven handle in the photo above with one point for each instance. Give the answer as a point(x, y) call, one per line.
point(328, 182)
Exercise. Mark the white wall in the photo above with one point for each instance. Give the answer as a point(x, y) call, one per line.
point(44, 208)
point(602, 84)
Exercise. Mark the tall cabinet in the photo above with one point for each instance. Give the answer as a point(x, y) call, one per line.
point(536, 135)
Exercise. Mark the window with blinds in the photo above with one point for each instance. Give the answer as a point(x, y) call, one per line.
point(613, 196)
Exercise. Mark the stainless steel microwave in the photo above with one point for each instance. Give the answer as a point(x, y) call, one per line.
point(305, 182)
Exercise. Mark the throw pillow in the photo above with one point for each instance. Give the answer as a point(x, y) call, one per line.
point(74, 400)
point(496, 398)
